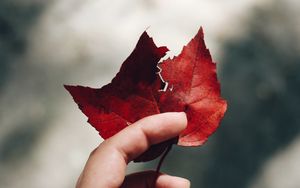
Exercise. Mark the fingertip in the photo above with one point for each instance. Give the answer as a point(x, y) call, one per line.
point(172, 182)
point(183, 118)
point(178, 118)
point(163, 126)
point(147, 179)
point(182, 182)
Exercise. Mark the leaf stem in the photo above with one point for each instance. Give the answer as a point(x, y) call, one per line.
point(161, 161)
point(163, 158)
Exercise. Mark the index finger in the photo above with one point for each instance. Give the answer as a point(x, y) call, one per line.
point(137, 138)
point(106, 166)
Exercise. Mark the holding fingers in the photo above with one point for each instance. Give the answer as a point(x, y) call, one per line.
point(106, 166)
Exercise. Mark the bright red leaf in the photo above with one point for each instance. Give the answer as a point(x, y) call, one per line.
point(134, 93)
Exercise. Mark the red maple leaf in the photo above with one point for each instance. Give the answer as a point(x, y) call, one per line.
point(190, 85)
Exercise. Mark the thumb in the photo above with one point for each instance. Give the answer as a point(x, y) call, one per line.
point(146, 180)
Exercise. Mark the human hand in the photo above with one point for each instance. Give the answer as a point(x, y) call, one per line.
point(106, 166)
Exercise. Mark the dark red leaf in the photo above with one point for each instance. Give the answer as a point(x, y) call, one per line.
point(135, 93)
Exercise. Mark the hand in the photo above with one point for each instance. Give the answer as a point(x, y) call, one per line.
point(106, 166)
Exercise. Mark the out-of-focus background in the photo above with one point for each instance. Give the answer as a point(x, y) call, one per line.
point(45, 139)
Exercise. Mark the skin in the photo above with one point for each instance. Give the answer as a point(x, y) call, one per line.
point(106, 166)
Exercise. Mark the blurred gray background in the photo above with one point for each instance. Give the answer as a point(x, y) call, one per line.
point(45, 139)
